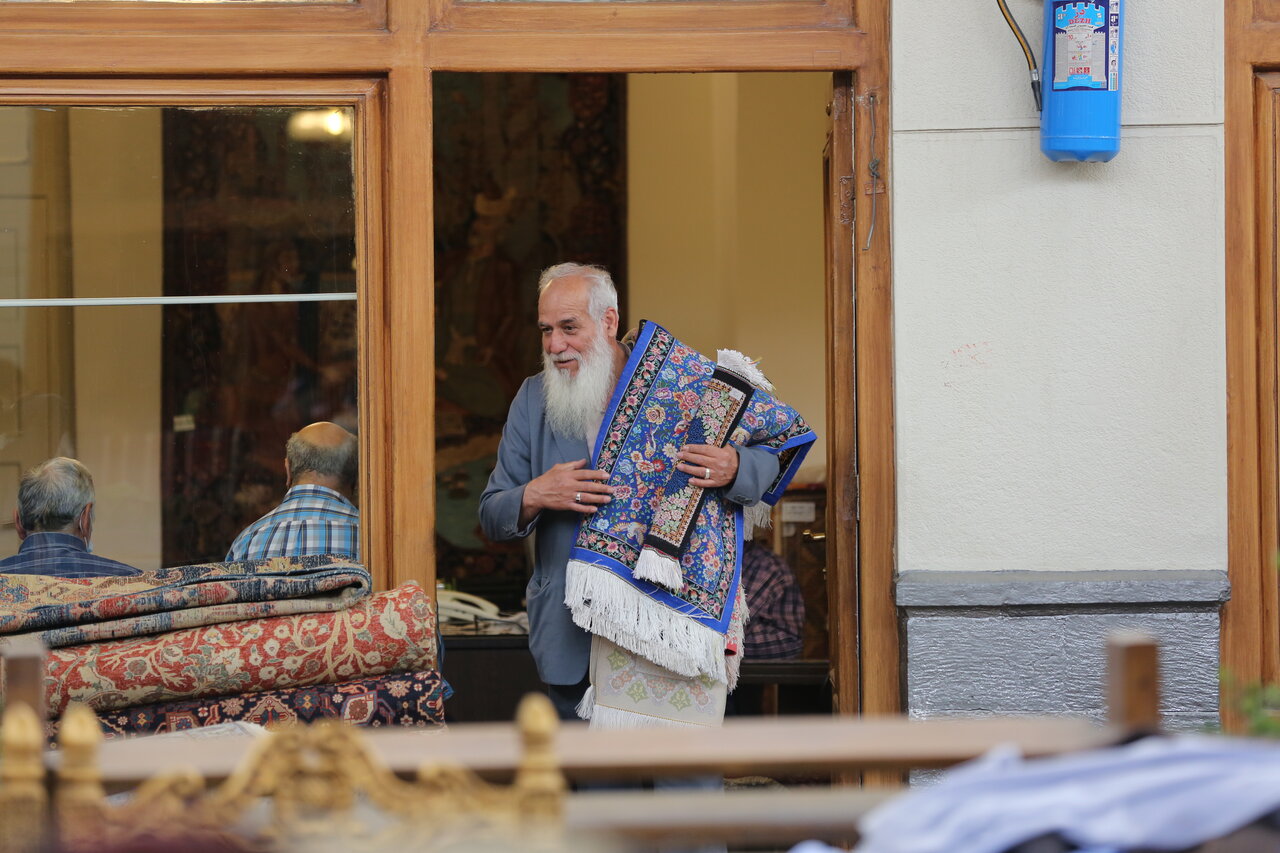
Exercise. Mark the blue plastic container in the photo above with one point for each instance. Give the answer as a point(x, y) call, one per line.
point(1082, 67)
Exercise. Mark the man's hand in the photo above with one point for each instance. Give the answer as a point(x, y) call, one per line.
point(709, 466)
point(567, 486)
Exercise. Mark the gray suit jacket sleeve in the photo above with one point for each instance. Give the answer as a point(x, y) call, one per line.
point(757, 469)
point(501, 499)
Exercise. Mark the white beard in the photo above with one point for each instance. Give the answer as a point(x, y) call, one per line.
point(575, 404)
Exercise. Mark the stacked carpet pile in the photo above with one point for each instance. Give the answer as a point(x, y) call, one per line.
point(262, 641)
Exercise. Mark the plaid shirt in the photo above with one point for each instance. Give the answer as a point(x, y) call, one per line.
point(775, 629)
point(310, 520)
point(61, 555)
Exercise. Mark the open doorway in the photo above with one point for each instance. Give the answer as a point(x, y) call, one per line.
point(703, 194)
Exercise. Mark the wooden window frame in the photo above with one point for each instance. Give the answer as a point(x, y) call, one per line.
point(379, 55)
point(365, 98)
point(177, 16)
point(600, 15)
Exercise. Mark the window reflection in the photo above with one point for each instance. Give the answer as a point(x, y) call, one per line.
point(196, 275)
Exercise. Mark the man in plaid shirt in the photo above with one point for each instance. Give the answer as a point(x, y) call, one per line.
point(775, 629)
point(315, 517)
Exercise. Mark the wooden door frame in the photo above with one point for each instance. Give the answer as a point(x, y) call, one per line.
point(1250, 621)
point(269, 51)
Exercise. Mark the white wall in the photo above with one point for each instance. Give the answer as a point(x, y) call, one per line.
point(1059, 328)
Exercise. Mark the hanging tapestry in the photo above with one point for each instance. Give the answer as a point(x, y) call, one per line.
point(540, 179)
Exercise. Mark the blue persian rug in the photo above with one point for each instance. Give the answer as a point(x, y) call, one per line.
point(670, 395)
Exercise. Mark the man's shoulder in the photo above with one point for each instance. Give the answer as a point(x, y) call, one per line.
point(106, 564)
point(70, 565)
point(528, 402)
point(313, 497)
point(531, 388)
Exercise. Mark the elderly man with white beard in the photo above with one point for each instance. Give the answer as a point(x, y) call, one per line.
point(543, 483)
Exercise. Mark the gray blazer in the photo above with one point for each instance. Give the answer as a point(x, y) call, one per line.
point(529, 448)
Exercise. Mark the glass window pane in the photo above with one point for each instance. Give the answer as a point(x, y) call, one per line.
point(207, 194)
point(159, 233)
point(180, 411)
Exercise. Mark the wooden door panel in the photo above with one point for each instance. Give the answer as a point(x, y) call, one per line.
point(843, 598)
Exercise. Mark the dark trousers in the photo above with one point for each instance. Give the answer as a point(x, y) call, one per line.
point(566, 697)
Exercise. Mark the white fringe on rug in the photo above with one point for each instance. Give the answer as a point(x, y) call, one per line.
point(656, 567)
point(747, 368)
point(586, 705)
point(605, 604)
point(736, 638)
point(759, 514)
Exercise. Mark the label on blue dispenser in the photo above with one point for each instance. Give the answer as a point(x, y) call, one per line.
point(1086, 53)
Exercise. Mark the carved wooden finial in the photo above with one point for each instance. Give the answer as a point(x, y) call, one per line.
point(22, 794)
point(539, 780)
point(80, 797)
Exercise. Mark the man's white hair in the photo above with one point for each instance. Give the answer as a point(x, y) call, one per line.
point(52, 495)
point(602, 295)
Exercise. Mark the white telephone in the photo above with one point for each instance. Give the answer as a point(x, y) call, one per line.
point(457, 606)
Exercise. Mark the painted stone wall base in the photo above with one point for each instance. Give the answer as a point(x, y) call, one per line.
point(989, 643)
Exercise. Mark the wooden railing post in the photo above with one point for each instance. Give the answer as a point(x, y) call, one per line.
point(539, 782)
point(24, 800)
point(23, 662)
point(79, 798)
point(1133, 682)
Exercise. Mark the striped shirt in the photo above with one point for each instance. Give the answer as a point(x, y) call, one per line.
point(776, 627)
point(310, 520)
point(61, 555)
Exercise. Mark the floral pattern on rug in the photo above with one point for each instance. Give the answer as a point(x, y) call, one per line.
point(654, 412)
point(631, 692)
point(71, 611)
point(413, 699)
point(388, 632)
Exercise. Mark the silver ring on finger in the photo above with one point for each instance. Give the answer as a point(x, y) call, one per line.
point(577, 497)
point(708, 476)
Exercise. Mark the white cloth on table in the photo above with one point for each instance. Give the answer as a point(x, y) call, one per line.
point(1163, 793)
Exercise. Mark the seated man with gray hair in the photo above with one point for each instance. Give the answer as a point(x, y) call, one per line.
point(54, 520)
point(315, 516)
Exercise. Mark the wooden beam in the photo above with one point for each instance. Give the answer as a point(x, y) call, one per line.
point(332, 16)
point(786, 50)
point(373, 382)
point(410, 323)
point(843, 595)
point(735, 817)
point(1249, 633)
point(873, 276)
point(688, 15)
point(789, 745)
point(203, 54)
point(100, 91)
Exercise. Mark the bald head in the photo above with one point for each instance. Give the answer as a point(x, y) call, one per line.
point(322, 454)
